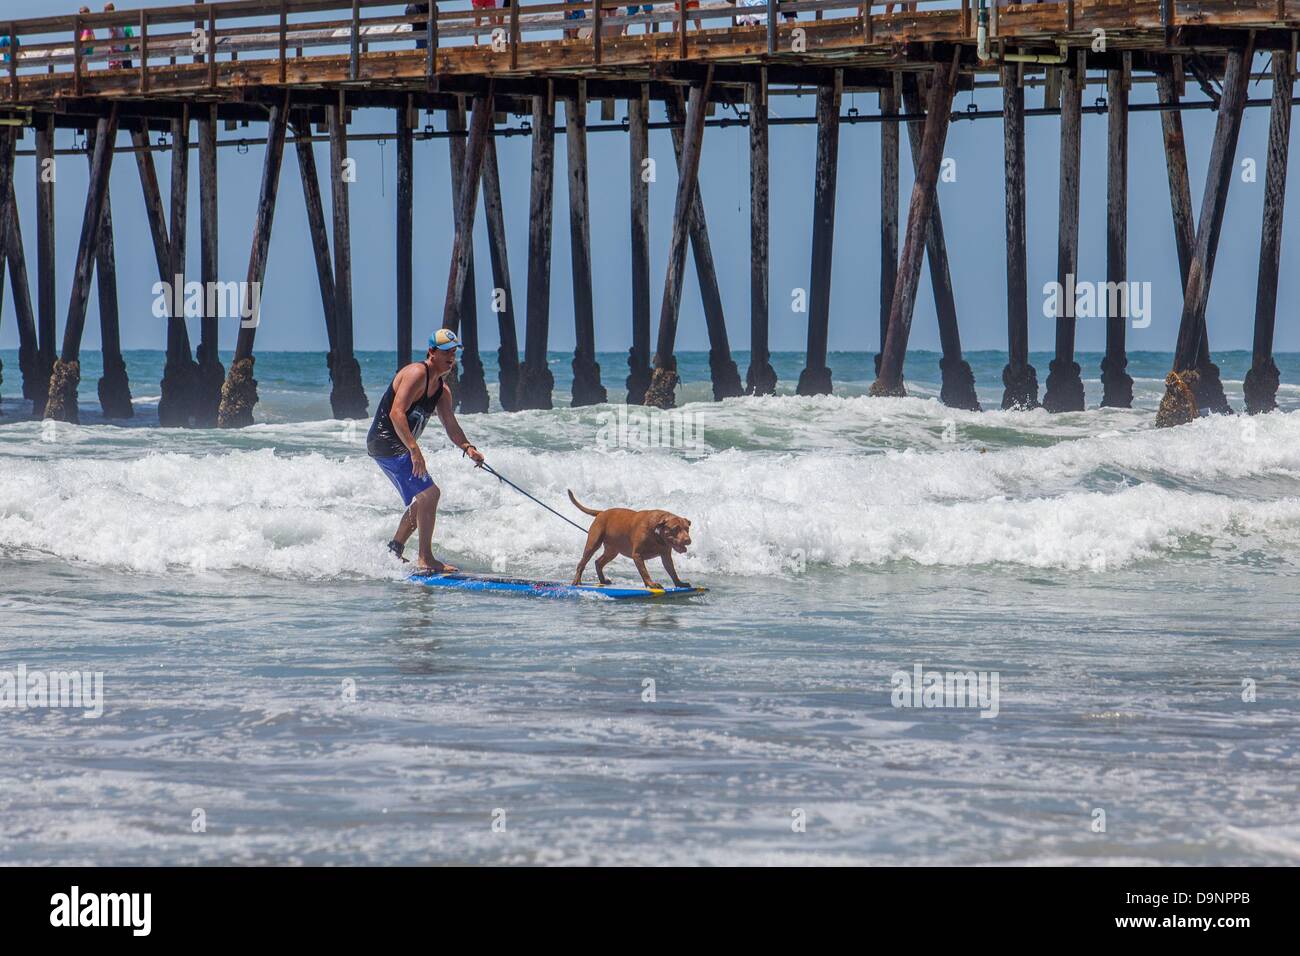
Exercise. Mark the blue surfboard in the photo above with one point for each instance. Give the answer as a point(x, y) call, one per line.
point(465, 581)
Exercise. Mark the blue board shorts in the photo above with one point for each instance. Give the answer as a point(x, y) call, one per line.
point(398, 470)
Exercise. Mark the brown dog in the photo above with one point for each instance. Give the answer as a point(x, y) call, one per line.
point(638, 534)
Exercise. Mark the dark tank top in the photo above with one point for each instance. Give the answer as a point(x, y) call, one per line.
point(382, 440)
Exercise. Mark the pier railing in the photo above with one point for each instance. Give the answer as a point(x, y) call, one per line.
point(210, 47)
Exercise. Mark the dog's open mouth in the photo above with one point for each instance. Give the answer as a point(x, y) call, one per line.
point(679, 548)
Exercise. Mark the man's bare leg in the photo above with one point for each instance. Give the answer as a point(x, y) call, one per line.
point(405, 527)
point(425, 507)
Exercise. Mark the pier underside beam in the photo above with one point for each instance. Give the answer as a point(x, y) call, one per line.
point(664, 378)
point(535, 378)
point(760, 377)
point(239, 393)
point(61, 405)
point(815, 379)
point(587, 389)
point(1179, 404)
point(638, 356)
point(889, 380)
point(1064, 382)
point(1019, 378)
point(1262, 379)
point(958, 381)
point(347, 396)
point(1117, 384)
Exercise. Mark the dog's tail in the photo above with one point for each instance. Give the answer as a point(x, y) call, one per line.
point(581, 507)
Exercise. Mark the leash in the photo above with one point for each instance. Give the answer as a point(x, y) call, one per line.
point(500, 477)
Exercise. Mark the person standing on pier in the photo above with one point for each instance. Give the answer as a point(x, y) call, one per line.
point(416, 393)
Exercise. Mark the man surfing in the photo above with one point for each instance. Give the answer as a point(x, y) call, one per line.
point(416, 392)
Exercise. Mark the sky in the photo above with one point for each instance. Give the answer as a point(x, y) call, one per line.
point(972, 205)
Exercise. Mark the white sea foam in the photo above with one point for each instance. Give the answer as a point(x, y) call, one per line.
point(868, 483)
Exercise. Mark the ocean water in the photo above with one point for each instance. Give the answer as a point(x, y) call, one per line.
point(274, 691)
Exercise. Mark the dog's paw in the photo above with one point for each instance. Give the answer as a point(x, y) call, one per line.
point(682, 584)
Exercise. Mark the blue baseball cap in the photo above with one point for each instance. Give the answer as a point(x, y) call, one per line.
point(444, 340)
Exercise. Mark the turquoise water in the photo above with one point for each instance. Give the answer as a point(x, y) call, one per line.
point(268, 672)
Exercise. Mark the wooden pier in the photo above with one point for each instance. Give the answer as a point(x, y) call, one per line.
point(292, 66)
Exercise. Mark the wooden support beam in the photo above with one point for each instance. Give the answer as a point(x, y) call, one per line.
point(638, 356)
point(587, 389)
point(664, 378)
point(347, 397)
point(958, 381)
point(1177, 407)
point(815, 379)
point(760, 377)
point(211, 373)
point(46, 295)
point(466, 203)
point(1262, 380)
point(19, 287)
point(722, 369)
point(1116, 383)
point(239, 393)
point(494, 214)
point(460, 310)
point(889, 188)
point(320, 242)
point(1019, 378)
point(889, 381)
point(405, 232)
point(535, 378)
point(113, 387)
point(8, 212)
point(1064, 384)
point(1207, 386)
point(180, 373)
point(62, 402)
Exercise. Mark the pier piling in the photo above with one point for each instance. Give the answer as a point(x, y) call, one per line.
point(46, 301)
point(1179, 404)
point(638, 356)
point(15, 257)
point(815, 379)
point(211, 373)
point(1064, 385)
point(535, 379)
point(460, 311)
point(957, 388)
point(760, 377)
point(938, 114)
point(1263, 378)
point(347, 397)
point(663, 380)
point(1019, 378)
point(1117, 384)
point(889, 189)
point(61, 405)
point(587, 389)
point(239, 393)
point(494, 214)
